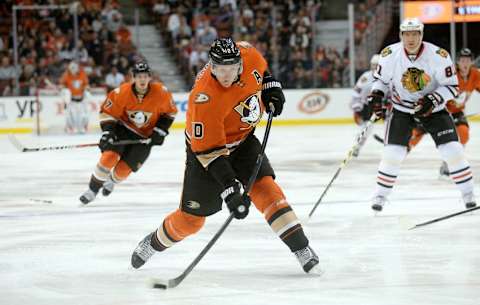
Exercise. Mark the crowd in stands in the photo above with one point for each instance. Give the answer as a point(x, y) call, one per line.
point(46, 44)
point(282, 31)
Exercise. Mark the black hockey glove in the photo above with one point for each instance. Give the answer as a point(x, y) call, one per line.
point(272, 93)
point(425, 105)
point(237, 203)
point(160, 131)
point(107, 140)
point(375, 100)
point(158, 136)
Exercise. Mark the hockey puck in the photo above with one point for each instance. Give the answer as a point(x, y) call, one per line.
point(41, 200)
point(160, 286)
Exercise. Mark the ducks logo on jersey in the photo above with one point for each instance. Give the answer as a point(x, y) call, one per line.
point(415, 80)
point(139, 118)
point(250, 110)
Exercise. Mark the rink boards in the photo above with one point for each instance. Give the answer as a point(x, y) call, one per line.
point(303, 107)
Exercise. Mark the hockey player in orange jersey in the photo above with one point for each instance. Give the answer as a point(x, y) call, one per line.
point(224, 106)
point(75, 82)
point(138, 110)
point(468, 81)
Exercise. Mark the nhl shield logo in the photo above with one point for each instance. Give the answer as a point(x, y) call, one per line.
point(250, 110)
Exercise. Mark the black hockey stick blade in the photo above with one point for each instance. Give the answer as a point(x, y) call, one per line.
point(378, 138)
point(444, 217)
point(171, 283)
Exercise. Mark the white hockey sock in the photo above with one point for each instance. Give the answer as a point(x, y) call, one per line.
point(458, 166)
point(389, 168)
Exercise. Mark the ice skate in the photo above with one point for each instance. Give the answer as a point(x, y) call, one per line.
point(378, 202)
point(107, 187)
point(308, 260)
point(469, 200)
point(143, 252)
point(88, 196)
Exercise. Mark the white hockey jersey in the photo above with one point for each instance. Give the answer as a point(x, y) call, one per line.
point(432, 71)
point(361, 91)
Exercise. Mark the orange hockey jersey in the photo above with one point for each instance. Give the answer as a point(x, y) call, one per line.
point(218, 118)
point(138, 115)
point(465, 87)
point(76, 83)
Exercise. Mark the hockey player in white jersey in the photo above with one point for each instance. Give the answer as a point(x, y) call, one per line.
point(422, 78)
point(362, 111)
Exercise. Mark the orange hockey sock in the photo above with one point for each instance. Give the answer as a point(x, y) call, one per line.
point(270, 200)
point(177, 226)
point(121, 171)
point(108, 160)
point(417, 135)
point(463, 133)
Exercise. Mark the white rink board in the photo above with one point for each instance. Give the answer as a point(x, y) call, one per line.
point(317, 106)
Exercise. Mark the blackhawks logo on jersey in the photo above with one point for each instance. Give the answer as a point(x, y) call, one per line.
point(415, 80)
point(442, 52)
point(386, 51)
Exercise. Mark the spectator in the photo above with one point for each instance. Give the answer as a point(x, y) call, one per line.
point(114, 79)
point(7, 71)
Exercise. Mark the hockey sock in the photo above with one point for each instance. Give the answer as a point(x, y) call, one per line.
point(389, 168)
point(121, 172)
point(270, 200)
point(458, 166)
point(177, 226)
point(107, 161)
point(417, 135)
point(463, 133)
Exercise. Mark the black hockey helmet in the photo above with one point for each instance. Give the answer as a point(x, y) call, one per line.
point(141, 67)
point(465, 52)
point(224, 52)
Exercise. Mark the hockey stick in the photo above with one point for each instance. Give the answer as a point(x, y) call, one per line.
point(171, 283)
point(362, 133)
point(444, 217)
point(22, 148)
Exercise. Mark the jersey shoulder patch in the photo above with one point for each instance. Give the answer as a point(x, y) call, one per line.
point(386, 51)
point(442, 52)
point(201, 98)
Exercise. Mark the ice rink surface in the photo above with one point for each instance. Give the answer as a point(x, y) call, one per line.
point(60, 253)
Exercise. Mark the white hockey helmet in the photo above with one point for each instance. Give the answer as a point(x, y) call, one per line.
point(410, 25)
point(374, 62)
point(73, 67)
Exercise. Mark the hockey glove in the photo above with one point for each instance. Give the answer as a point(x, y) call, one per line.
point(425, 105)
point(107, 140)
point(237, 203)
point(160, 131)
point(375, 100)
point(158, 136)
point(272, 93)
